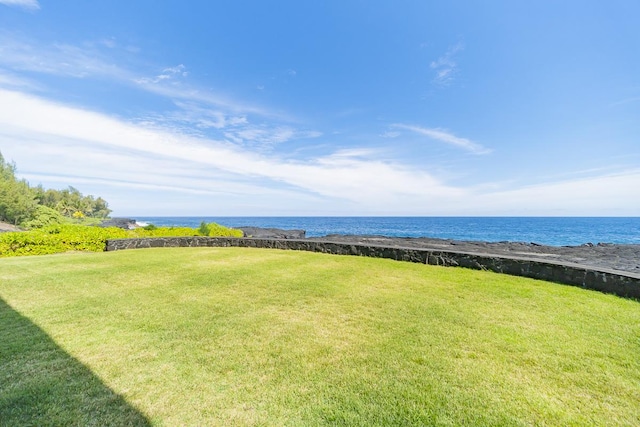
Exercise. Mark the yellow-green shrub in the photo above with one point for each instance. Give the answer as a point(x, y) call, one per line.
point(216, 230)
point(57, 238)
point(73, 237)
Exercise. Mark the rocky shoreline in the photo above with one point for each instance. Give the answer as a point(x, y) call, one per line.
point(617, 257)
point(601, 256)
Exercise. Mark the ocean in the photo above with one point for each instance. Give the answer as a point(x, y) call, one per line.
point(555, 231)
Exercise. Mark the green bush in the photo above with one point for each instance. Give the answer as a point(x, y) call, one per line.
point(217, 230)
point(73, 237)
point(43, 217)
point(57, 238)
point(163, 232)
point(203, 230)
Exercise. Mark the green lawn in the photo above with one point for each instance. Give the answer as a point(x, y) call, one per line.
point(232, 336)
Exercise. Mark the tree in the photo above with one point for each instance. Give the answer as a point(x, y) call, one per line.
point(7, 170)
point(70, 200)
point(101, 208)
point(43, 217)
point(17, 202)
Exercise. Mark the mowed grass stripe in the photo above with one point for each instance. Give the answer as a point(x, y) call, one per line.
point(233, 336)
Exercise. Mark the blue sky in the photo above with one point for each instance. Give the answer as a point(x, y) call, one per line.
point(327, 108)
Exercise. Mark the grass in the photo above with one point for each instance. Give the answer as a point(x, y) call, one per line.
point(232, 336)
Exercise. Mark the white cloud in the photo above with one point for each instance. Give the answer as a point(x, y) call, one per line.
point(200, 120)
point(149, 171)
point(353, 153)
point(78, 140)
point(14, 81)
point(89, 61)
point(446, 66)
point(447, 137)
point(109, 42)
point(190, 93)
point(26, 4)
point(134, 165)
point(391, 134)
point(611, 194)
point(199, 112)
point(266, 137)
point(58, 59)
point(177, 70)
point(194, 119)
point(170, 73)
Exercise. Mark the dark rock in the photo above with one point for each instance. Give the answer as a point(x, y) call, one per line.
point(602, 255)
point(272, 233)
point(124, 223)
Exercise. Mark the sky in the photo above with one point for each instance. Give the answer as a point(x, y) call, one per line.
point(347, 107)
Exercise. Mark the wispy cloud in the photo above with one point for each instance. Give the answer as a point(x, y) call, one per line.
point(625, 101)
point(101, 61)
point(351, 177)
point(169, 73)
point(13, 81)
point(25, 4)
point(446, 66)
point(190, 93)
point(266, 136)
point(203, 116)
point(161, 169)
point(391, 134)
point(58, 59)
point(447, 137)
point(609, 194)
point(202, 121)
point(198, 112)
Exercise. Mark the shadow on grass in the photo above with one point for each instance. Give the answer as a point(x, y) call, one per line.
point(41, 384)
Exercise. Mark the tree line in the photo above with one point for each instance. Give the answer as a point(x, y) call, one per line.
point(21, 203)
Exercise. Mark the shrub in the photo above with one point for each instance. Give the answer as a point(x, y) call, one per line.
point(57, 238)
point(204, 229)
point(217, 230)
point(63, 237)
point(162, 232)
point(43, 217)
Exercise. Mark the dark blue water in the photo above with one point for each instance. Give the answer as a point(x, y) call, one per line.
point(557, 231)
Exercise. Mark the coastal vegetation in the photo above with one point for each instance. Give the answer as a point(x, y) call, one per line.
point(58, 238)
point(22, 204)
point(66, 220)
point(232, 336)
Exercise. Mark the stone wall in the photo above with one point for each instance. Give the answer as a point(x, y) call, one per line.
point(609, 281)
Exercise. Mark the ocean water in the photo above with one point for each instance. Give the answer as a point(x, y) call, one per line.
point(556, 231)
